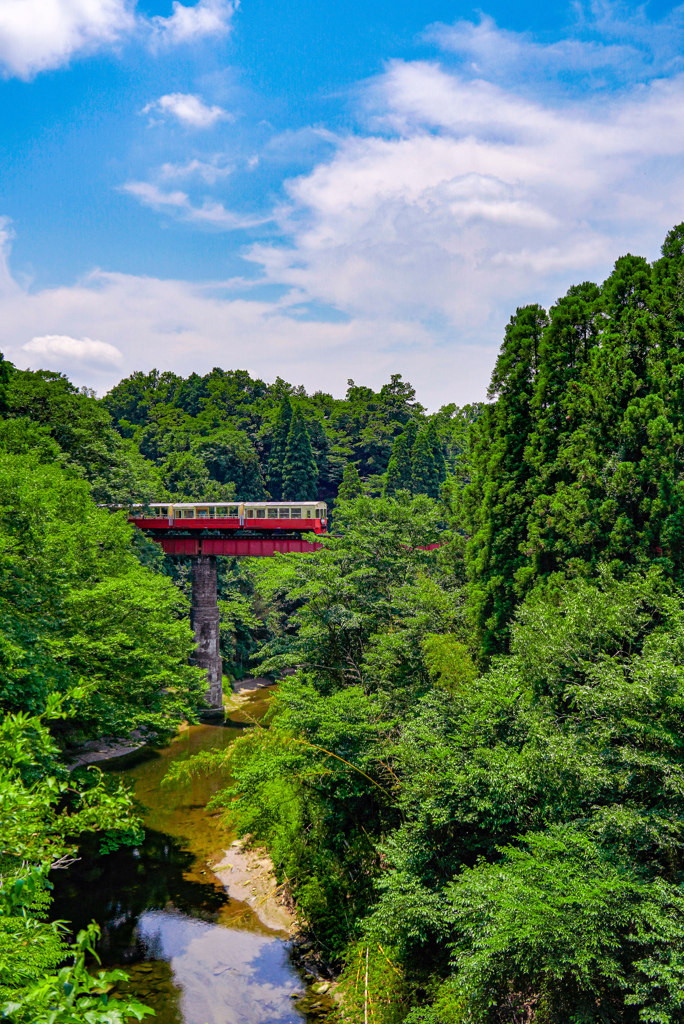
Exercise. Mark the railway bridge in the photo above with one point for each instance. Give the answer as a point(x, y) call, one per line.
point(203, 530)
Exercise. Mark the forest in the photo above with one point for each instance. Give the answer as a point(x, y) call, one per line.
point(471, 775)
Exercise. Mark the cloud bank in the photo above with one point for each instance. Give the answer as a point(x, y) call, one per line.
point(467, 199)
point(184, 327)
point(463, 193)
point(79, 352)
point(40, 35)
point(37, 35)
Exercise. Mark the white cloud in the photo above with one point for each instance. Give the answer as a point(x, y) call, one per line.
point(36, 35)
point(461, 198)
point(210, 212)
point(209, 171)
point(602, 49)
point(39, 35)
point(494, 52)
point(188, 109)
point(81, 352)
point(186, 24)
point(150, 195)
point(185, 327)
point(471, 199)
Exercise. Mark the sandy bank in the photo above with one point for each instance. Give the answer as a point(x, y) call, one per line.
point(249, 877)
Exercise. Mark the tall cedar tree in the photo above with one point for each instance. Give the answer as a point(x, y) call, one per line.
point(5, 375)
point(437, 453)
point(399, 469)
point(230, 458)
point(580, 460)
point(300, 473)
point(425, 473)
point(278, 447)
point(495, 503)
point(161, 413)
point(394, 480)
point(350, 487)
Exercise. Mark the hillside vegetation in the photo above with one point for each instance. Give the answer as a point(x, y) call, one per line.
point(472, 777)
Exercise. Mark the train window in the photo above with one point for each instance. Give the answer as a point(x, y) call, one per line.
point(283, 513)
point(249, 513)
point(202, 513)
point(273, 513)
point(308, 513)
point(189, 513)
point(295, 513)
point(233, 511)
point(261, 513)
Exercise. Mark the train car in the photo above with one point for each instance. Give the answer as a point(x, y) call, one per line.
point(303, 511)
point(251, 515)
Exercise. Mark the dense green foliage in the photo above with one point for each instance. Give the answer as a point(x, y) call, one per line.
point(300, 473)
point(579, 460)
point(86, 443)
point(417, 462)
point(76, 605)
point(472, 777)
point(276, 459)
point(43, 812)
point(473, 782)
point(173, 422)
point(93, 643)
point(351, 486)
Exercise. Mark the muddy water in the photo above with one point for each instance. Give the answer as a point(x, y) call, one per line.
point(192, 953)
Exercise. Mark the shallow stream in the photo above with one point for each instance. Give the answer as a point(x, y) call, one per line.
point(193, 954)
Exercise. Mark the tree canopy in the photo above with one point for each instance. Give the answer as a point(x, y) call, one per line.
point(472, 774)
point(473, 778)
point(167, 419)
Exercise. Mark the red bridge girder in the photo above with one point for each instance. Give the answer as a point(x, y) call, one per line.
point(253, 547)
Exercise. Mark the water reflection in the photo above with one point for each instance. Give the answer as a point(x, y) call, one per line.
point(118, 889)
point(225, 975)
point(193, 954)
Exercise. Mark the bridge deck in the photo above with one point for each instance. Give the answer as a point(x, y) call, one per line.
point(259, 525)
point(231, 536)
point(253, 547)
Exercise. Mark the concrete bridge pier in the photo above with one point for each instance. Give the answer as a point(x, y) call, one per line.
point(204, 618)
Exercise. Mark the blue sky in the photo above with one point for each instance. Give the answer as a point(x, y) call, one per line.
point(322, 190)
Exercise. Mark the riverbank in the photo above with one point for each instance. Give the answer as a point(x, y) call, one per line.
point(106, 750)
point(249, 877)
point(110, 748)
point(195, 915)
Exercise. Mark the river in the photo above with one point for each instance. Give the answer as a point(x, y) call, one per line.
point(193, 954)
